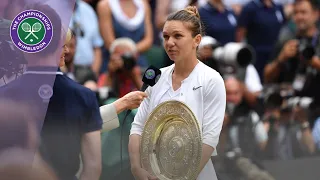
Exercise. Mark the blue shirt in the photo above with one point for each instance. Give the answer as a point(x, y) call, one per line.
point(316, 133)
point(262, 23)
point(221, 26)
point(86, 20)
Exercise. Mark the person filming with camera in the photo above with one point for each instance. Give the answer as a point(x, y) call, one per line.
point(123, 75)
point(288, 129)
point(297, 58)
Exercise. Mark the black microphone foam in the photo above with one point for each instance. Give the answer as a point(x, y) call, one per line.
point(150, 77)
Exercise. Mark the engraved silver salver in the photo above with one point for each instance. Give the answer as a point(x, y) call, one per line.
point(171, 144)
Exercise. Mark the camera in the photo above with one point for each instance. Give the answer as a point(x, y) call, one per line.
point(306, 50)
point(129, 61)
point(237, 54)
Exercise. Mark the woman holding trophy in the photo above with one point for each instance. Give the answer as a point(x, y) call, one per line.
point(198, 90)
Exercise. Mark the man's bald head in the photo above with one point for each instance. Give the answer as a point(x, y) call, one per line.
point(234, 90)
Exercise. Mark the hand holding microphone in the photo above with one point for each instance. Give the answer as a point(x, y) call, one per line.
point(132, 100)
point(150, 78)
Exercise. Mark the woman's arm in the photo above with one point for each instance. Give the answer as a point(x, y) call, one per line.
point(206, 155)
point(105, 23)
point(214, 109)
point(134, 151)
point(147, 41)
point(136, 131)
point(134, 139)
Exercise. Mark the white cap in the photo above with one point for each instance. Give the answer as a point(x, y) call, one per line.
point(207, 40)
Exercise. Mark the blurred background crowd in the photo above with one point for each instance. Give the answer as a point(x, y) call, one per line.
point(268, 52)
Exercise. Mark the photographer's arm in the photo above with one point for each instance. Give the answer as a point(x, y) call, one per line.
point(315, 62)
point(272, 70)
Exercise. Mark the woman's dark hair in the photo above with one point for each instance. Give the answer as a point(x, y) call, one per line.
point(191, 16)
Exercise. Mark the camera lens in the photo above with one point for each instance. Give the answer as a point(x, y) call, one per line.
point(128, 61)
point(308, 52)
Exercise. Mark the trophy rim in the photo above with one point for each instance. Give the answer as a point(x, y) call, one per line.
point(150, 160)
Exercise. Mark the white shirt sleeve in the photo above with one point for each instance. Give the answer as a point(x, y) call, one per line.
point(252, 79)
point(141, 116)
point(214, 110)
point(109, 117)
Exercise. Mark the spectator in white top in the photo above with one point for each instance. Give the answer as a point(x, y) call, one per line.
point(190, 81)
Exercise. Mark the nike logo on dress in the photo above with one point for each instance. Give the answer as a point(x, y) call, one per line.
point(195, 88)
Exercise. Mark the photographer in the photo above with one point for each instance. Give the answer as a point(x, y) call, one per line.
point(246, 130)
point(289, 132)
point(123, 75)
point(249, 79)
point(296, 59)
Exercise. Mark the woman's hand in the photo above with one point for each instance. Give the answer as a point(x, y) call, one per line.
point(141, 174)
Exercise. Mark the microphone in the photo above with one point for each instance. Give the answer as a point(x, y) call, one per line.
point(150, 77)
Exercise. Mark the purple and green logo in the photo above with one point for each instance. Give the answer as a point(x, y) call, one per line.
point(31, 31)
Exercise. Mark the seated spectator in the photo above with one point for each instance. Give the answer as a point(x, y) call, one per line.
point(123, 75)
point(132, 19)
